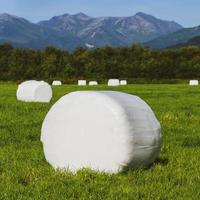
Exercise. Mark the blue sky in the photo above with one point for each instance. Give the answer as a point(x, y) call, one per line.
point(185, 12)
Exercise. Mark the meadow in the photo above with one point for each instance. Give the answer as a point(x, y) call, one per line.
point(25, 174)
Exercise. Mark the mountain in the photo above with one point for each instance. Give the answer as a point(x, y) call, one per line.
point(178, 37)
point(113, 31)
point(195, 41)
point(67, 23)
point(71, 31)
point(22, 33)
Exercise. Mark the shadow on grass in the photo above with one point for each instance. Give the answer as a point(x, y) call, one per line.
point(158, 161)
point(161, 161)
point(23, 181)
point(191, 142)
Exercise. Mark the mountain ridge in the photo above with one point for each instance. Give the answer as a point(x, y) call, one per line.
point(173, 39)
point(195, 41)
point(70, 31)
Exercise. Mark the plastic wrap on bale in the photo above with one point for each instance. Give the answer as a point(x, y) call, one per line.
point(123, 82)
point(57, 83)
point(194, 82)
point(93, 83)
point(34, 91)
point(102, 130)
point(82, 82)
point(113, 82)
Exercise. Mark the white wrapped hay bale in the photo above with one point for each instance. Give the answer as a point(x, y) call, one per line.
point(123, 82)
point(34, 91)
point(194, 82)
point(113, 82)
point(106, 131)
point(57, 83)
point(93, 83)
point(82, 82)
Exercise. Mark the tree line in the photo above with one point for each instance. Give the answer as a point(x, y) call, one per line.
point(135, 62)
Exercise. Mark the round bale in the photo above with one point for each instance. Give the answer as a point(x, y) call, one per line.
point(113, 82)
point(34, 91)
point(57, 83)
point(194, 82)
point(93, 83)
point(105, 131)
point(123, 82)
point(82, 82)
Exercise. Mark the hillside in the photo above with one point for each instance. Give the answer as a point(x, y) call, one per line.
point(178, 37)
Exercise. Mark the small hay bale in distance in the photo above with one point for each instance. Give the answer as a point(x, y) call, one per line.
point(113, 82)
point(34, 91)
point(194, 82)
point(123, 82)
point(102, 130)
point(82, 82)
point(93, 83)
point(57, 83)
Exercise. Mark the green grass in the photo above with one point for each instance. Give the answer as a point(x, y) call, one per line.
point(24, 173)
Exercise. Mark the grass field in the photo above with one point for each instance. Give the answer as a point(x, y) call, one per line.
point(24, 173)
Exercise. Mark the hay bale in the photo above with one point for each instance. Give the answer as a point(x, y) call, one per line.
point(106, 131)
point(57, 83)
point(82, 82)
point(93, 83)
point(113, 82)
point(194, 82)
point(123, 82)
point(34, 91)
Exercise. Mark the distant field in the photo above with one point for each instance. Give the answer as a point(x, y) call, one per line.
point(24, 173)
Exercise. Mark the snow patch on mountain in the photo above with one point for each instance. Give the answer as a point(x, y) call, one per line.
point(90, 46)
point(93, 34)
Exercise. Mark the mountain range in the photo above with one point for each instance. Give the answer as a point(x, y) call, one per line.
point(112, 31)
point(79, 30)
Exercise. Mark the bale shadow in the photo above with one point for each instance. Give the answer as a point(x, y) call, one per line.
point(158, 161)
point(191, 142)
point(161, 161)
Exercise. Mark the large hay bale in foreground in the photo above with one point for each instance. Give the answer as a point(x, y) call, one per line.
point(57, 83)
point(34, 91)
point(194, 82)
point(106, 131)
point(113, 82)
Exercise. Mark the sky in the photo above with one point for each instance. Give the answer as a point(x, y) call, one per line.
point(185, 12)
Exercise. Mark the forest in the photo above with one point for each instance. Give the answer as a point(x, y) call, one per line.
point(131, 63)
